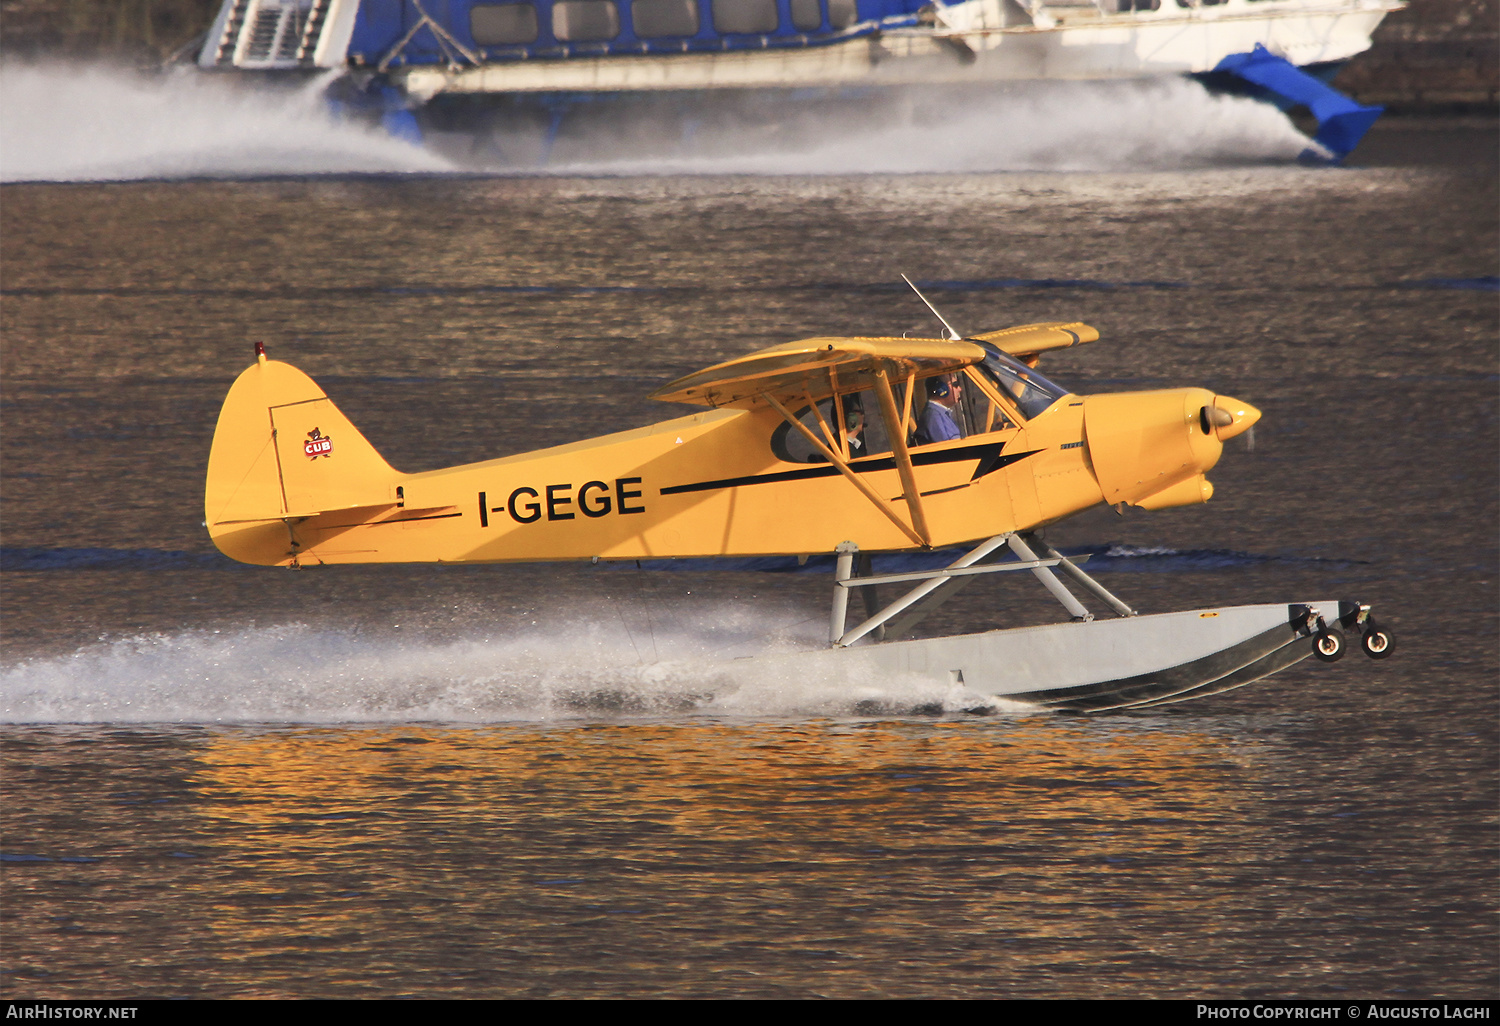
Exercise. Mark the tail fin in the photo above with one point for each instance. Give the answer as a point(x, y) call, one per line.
point(283, 451)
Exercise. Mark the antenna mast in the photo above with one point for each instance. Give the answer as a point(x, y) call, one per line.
point(953, 336)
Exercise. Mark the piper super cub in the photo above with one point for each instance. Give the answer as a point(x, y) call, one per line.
point(898, 444)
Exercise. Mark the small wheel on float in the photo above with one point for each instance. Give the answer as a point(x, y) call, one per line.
point(1328, 645)
point(1376, 641)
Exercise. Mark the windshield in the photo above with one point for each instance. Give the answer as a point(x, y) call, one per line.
point(1032, 392)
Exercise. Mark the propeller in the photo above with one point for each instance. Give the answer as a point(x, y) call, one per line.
point(1227, 417)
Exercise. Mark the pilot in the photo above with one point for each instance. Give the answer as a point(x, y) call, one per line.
point(939, 421)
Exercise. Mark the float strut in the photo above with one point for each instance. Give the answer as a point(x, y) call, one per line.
point(921, 591)
point(843, 570)
point(1049, 580)
point(1067, 567)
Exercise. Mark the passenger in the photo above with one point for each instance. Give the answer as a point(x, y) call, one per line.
point(854, 430)
point(939, 422)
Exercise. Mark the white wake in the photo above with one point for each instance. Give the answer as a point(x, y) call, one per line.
point(1160, 124)
point(77, 122)
point(294, 673)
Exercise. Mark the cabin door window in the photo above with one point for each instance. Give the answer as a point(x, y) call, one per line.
point(939, 410)
point(966, 408)
point(979, 412)
point(792, 446)
point(854, 420)
point(864, 426)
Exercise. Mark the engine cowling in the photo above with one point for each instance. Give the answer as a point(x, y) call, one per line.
point(1153, 445)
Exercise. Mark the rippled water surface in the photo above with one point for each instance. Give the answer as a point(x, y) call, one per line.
point(541, 781)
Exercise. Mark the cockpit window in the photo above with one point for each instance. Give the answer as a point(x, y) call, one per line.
point(980, 414)
point(864, 427)
point(859, 433)
point(940, 417)
point(943, 408)
point(1031, 392)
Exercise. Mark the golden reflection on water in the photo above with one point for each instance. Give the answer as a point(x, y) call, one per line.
point(686, 773)
point(810, 850)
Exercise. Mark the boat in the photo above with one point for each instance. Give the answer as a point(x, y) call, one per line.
point(424, 64)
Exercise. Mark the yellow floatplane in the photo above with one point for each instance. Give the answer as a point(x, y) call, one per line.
point(825, 445)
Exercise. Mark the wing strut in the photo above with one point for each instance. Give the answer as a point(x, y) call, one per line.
point(828, 432)
point(839, 417)
point(911, 379)
point(834, 458)
point(896, 428)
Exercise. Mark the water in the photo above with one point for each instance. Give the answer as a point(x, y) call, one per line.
point(552, 781)
point(787, 858)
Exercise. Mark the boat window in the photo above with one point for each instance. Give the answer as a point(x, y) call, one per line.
point(807, 15)
point(842, 13)
point(745, 16)
point(654, 19)
point(1031, 392)
point(1137, 5)
point(585, 21)
point(490, 24)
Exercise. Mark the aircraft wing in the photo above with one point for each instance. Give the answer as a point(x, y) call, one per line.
point(814, 368)
point(1028, 340)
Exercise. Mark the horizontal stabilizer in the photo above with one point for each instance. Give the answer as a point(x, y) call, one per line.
point(361, 514)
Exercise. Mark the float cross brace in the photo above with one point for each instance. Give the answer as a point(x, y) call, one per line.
point(937, 586)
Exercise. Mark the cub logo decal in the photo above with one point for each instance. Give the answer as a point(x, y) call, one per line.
point(317, 444)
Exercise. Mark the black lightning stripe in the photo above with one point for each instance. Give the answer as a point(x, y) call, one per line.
point(988, 455)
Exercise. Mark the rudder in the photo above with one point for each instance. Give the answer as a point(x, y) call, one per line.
point(282, 451)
